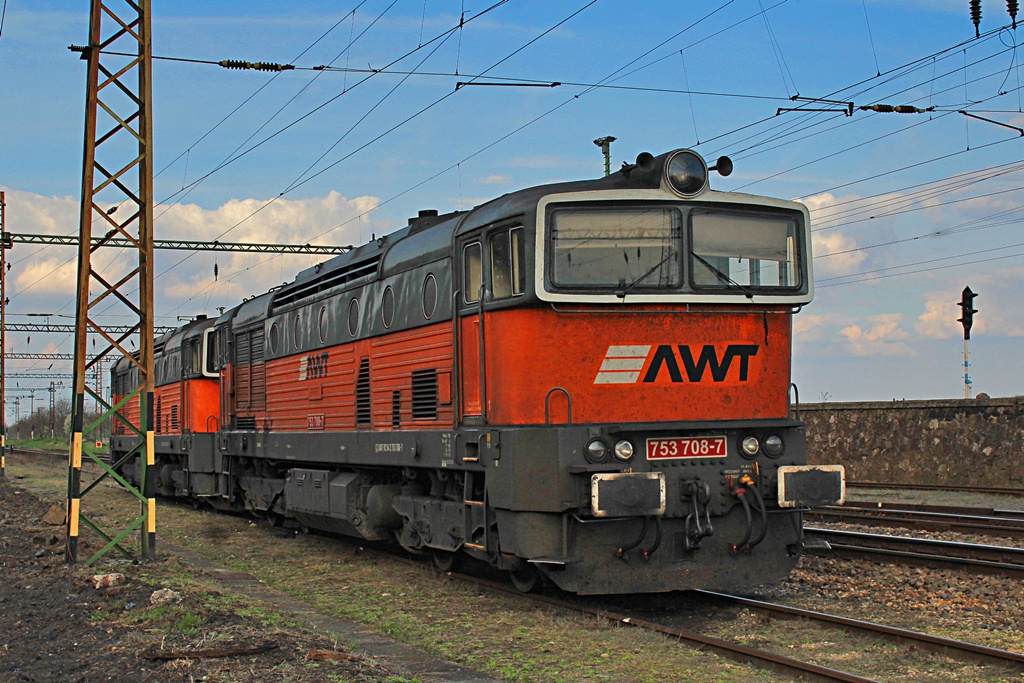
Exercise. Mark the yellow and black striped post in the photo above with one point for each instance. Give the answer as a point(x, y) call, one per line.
point(148, 540)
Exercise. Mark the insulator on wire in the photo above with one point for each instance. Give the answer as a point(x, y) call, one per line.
point(1011, 8)
point(898, 109)
point(216, 272)
point(976, 17)
point(257, 66)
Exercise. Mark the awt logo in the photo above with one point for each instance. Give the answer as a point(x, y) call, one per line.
point(681, 363)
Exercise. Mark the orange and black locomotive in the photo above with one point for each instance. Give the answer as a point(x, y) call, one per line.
point(586, 381)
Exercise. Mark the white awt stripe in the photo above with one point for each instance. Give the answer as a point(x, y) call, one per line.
point(628, 351)
point(617, 378)
point(623, 364)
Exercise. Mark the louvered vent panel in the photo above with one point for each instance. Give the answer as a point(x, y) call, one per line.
point(363, 415)
point(424, 394)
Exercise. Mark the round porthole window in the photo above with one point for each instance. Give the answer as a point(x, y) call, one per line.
point(387, 309)
point(296, 330)
point(429, 296)
point(353, 317)
point(274, 339)
point(323, 325)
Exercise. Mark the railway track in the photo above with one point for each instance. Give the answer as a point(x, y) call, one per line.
point(777, 663)
point(946, 646)
point(782, 664)
point(891, 486)
point(767, 659)
point(964, 520)
point(990, 559)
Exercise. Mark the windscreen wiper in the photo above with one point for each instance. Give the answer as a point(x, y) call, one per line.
point(723, 277)
point(622, 292)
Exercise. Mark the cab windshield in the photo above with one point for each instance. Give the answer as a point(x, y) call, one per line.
point(675, 248)
point(743, 251)
point(621, 248)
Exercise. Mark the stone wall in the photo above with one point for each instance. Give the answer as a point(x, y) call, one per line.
point(970, 442)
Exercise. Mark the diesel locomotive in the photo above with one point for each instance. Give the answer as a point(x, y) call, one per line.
point(586, 382)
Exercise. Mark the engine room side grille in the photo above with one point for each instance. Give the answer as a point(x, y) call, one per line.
point(174, 418)
point(245, 422)
point(363, 415)
point(396, 409)
point(424, 394)
point(159, 414)
point(250, 372)
point(336, 277)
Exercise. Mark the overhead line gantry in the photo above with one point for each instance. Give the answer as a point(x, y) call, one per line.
point(181, 245)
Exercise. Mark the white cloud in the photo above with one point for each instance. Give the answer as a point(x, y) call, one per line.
point(939, 320)
point(495, 180)
point(815, 328)
point(45, 278)
point(847, 259)
point(817, 202)
point(884, 337)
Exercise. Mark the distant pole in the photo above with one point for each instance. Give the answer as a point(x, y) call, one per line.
point(605, 144)
point(966, 319)
point(967, 377)
point(3, 341)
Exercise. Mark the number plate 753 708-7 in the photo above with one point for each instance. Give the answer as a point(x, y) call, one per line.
point(686, 447)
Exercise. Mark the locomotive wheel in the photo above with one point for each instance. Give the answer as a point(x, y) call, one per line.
point(446, 561)
point(524, 577)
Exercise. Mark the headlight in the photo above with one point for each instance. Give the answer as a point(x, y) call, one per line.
point(750, 446)
point(774, 446)
point(686, 173)
point(623, 450)
point(596, 451)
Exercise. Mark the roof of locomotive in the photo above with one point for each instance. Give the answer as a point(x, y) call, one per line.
point(524, 202)
point(428, 237)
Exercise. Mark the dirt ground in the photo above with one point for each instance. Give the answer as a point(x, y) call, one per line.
point(57, 626)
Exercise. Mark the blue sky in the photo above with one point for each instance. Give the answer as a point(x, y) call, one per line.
point(908, 208)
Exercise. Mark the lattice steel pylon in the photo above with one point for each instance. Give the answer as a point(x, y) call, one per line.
point(118, 95)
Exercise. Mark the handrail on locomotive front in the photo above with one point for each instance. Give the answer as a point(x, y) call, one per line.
point(547, 405)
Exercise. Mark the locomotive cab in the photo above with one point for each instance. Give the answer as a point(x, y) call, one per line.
point(635, 363)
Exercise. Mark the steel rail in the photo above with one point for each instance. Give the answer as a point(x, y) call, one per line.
point(947, 509)
point(945, 646)
point(992, 559)
point(935, 487)
point(992, 525)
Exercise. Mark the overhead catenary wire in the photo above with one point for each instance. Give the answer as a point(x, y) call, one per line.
point(923, 270)
point(505, 136)
point(450, 169)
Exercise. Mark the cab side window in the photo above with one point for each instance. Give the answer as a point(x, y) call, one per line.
point(472, 272)
point(507, 249)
